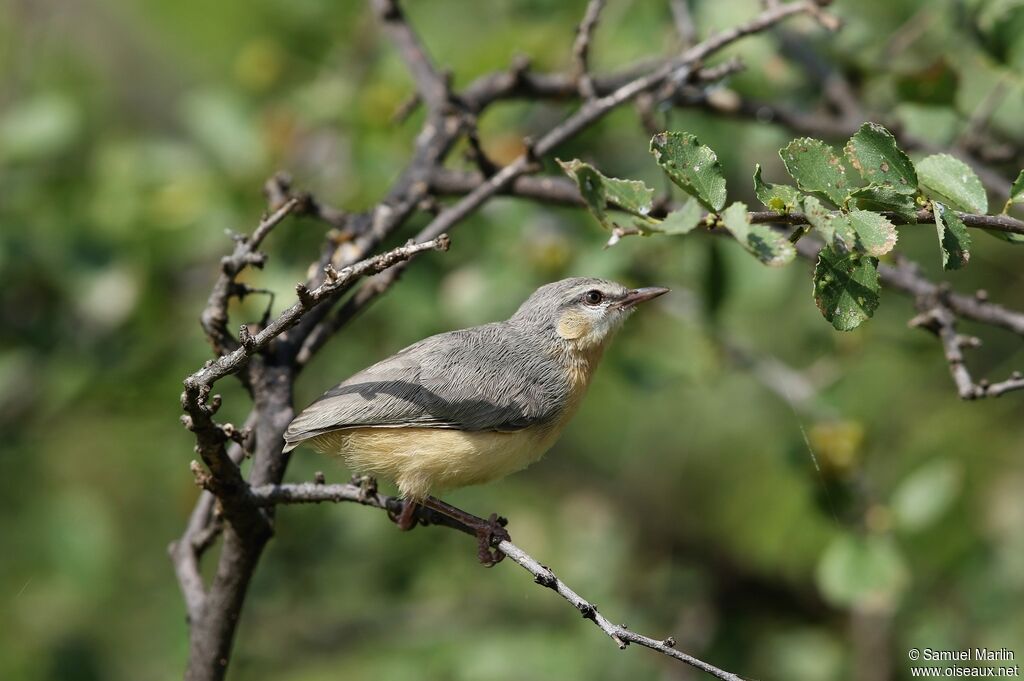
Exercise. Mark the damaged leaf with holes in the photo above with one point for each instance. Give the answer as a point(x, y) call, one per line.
point(692, 166)
point(846, 287)
point(816, 169)
point(954, 240)
point(859, 230)
point(598, 190)
point(767, 245)
point(873, 152)
point(781, 198)
point(879, 198)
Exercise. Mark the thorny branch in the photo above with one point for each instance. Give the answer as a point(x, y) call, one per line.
point(266, 357)
point(311, 493)
point(938, 317)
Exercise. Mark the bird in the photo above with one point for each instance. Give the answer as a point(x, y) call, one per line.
point(470, 406)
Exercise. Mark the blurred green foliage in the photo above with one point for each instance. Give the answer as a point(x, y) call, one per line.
point(686, 498)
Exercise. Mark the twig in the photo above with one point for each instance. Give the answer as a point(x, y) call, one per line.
point(561, 190)
point(231, 362)
point(431, 85)
point(306, 493)
point(938, 318)
point(581, 48)
point(214, 318)
point(683, 19)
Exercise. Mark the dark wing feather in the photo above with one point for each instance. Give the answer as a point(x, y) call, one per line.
point(479, 379)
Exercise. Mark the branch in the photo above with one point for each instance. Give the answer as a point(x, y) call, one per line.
point(308, 299)
point(214, 317)
point(311, 493)
point(562, 190)
point(683, 19)
point(676, 70)
point(581, 48)
point(431, 86)
point(903, 277)
point(939, 319)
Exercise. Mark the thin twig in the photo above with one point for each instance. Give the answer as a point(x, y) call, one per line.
point(938, 318)
point(309, 492)
point(581, 48)
point(683, 19)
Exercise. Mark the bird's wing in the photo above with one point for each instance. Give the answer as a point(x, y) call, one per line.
point(476, 379)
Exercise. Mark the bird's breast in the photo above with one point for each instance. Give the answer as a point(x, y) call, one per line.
point(423, 461)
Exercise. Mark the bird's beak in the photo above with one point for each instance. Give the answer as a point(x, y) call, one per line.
point(639, 295)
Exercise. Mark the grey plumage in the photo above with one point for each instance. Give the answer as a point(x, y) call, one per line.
point(504, 376)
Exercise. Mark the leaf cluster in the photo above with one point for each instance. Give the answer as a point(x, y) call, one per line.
point(850, 199)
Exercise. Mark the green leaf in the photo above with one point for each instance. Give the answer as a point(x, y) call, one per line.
point(598, 191)
point(875, 235)
point(858, 230)
point(954, 240)
point(875, 155)
point(681, 220)
point(770, 247)
point(868, 572)
point(816, 168)
point(845, 287)
point(926, 494)
point(1017, 189)
point(778, 197)
point(835, 229)
point(692, 166)
point(1016, 196)
point(878, 197)
point(951, 181)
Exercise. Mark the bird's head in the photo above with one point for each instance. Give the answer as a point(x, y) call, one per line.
point(582, 312)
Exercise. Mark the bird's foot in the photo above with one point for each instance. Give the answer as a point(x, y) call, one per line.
point(490, 533)
point(407, 518)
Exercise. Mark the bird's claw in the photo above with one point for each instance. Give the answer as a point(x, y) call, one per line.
point(407, 518)
point(488, 535)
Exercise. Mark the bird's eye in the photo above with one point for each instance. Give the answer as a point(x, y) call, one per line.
point(593, 297)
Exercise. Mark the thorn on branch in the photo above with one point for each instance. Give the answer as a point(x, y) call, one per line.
point(588, 610)
point(669, 642)
point(305, 295)
point(319, 478)
point(246, 339)
point(520, 66)
point(277, 189)
point(547, 578)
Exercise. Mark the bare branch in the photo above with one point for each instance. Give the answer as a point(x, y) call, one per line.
point(308, 299)
point(938, 318)
point(581, 48)
point(683, 19)
point(431, 85)
point(214, 318)
point(305, 493)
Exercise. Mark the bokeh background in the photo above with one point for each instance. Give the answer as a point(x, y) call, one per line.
point(684, 499)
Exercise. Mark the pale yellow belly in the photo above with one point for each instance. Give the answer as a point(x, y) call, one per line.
point(423, 461)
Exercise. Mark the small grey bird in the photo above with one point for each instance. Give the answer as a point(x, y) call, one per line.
point(470, 406)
